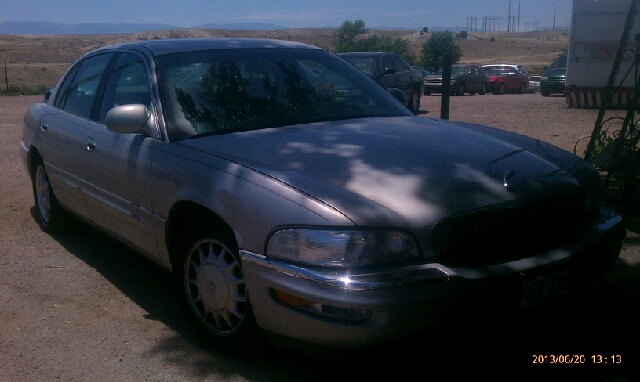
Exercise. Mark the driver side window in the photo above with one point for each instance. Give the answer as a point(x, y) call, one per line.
point(128, 84)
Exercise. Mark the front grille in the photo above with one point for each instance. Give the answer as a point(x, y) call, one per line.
point(507, 232)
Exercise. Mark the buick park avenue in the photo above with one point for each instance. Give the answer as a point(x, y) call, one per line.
point(290, 195)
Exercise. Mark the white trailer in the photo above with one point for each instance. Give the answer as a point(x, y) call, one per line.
point(597, 27)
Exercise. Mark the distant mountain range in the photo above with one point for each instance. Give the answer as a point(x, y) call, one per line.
point(44, 27)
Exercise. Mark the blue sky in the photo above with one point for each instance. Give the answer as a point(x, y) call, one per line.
point(288, 13)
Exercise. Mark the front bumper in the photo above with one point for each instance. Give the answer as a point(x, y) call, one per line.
point(339, 309)
point(552, 87)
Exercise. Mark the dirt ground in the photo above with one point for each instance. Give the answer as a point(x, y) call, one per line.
point(79, 306)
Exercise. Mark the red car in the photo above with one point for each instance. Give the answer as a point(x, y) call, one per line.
point(503, 79)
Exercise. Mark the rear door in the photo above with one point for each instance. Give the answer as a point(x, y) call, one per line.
point(62, 130)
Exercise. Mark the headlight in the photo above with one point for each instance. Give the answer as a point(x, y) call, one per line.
point(342, 248)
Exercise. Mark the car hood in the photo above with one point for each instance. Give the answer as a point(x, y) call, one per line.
point(400, 170)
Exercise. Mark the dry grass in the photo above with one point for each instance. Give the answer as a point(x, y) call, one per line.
point(39, 60)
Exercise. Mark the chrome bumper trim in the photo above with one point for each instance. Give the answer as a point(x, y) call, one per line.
point(354, 281)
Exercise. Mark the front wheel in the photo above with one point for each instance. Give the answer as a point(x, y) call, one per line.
point(523, 88)
point(213, 291)
point(460, 91)
point(414, 102)
point(483, 89)
point(50, 215)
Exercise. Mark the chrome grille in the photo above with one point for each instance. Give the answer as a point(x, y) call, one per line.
point(507, 232)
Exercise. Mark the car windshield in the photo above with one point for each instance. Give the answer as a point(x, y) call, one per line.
point(223, 91)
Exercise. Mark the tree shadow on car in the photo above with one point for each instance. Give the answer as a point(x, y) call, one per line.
point(601, 317)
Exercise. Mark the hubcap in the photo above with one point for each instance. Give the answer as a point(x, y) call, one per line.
point(42, 194)
point(215, 287)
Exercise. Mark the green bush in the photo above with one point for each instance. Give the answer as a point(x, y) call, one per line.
point(15, 90)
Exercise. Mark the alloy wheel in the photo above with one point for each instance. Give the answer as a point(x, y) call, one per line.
point(215, 286)
point(43, 194)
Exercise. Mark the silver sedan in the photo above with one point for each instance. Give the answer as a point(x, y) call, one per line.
point(290, 195)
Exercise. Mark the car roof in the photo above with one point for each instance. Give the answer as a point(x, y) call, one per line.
point(510, 65)
point(168, 46)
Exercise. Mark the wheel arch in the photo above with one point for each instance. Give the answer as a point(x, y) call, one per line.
point(184, 213)
point(33, 156)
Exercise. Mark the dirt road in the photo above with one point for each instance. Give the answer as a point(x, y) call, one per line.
point(80, 306)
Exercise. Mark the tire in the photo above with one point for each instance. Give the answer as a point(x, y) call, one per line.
point(428, 93)
point(545, 93)
point(460, 91)
point(414, 101)
point(50, 216)
point(483, 90)
point(500, 90)
point(523, 88)
point(212, 291)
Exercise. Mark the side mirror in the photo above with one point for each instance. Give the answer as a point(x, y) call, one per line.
point(130, 119)
point(398, 94)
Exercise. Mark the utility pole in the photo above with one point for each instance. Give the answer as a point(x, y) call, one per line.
point(470, 22)
point(6, 78)
point(518, 16)
point(554, 19)
point(509, 23)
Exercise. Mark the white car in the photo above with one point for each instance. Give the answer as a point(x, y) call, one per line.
point(534, 84)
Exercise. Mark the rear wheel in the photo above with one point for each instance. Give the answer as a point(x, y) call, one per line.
point(460, 91)
point(500, 90)
point(523, 88)
point(483, 90)
point(545, 93)
point(50, 215)
point(212, 288)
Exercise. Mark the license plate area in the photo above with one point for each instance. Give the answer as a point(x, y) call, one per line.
point(542, 288)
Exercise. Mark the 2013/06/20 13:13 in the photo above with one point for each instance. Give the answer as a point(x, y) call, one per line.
point(595, 359)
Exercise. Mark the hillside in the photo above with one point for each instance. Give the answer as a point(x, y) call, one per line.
point(38, 61)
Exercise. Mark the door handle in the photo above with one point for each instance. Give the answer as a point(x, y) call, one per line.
point(90, 144)
point(43, 127)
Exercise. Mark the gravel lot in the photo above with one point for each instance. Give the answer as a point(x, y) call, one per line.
point(79, 306)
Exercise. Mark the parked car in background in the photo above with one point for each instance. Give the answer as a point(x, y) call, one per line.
point(534, 84)
point(503, 80)
point(389, 70)
point(560, 62)
point(465, 78)
point(424, 71)
point(553, 81)
point(291, 196)
point(515, 67)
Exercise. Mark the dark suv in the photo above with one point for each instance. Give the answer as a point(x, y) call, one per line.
point(390, 71)
point(465, 78)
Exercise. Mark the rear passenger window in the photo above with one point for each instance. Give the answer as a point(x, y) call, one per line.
point(128, 83)
point(80, 87)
